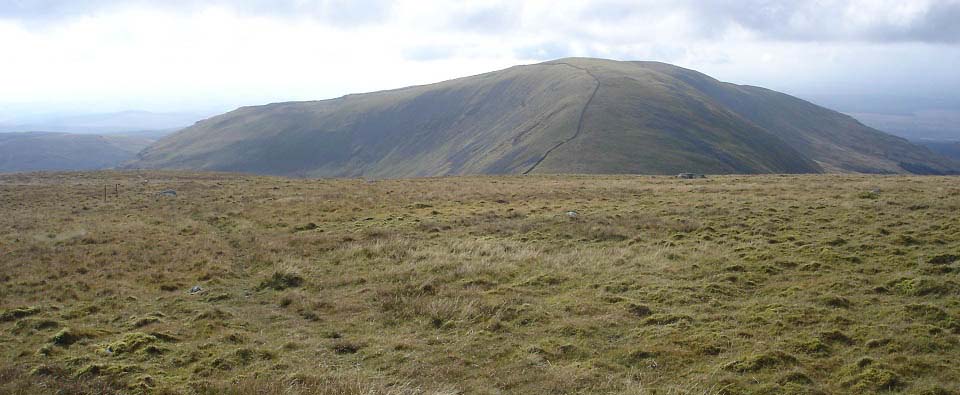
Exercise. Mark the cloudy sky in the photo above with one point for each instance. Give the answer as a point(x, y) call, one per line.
point(212, 55)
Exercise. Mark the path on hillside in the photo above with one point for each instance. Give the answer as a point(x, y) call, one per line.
point(579, 121)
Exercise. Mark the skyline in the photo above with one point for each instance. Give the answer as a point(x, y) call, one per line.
point(212, 56)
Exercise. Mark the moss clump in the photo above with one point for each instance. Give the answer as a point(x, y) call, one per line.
point(45, 324)
point(131, 342)
point(760, 362)
point(813, 347)
point(346, 347)
point(144, 321)
point(875, 343)
point(944, 259)
point(920, 286)
point(213, 315)
point(245, 356)
point(836, 337)
point(795, 378)
point(835, 301)
point(18, 313)
point(637, 357)
point(29, 325)
point(872, 380)
point(164, 337)
point(666, 319)
point(281, 280)
point(934, 315)
point(639, 310)
point(309, 226)
point(47, 370)
point(97, 369)
point(67, 337)
point(935, 391)
point(927, 312)
point(143, 382)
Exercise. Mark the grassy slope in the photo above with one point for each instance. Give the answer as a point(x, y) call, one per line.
point(492, 123)
point(759, 284)
point(568, 116)
point(645, 121)
point(833, 139)
point(62, 151)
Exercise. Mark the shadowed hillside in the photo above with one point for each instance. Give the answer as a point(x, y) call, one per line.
point(35, 151)
point(566, 116)
point(950, 149)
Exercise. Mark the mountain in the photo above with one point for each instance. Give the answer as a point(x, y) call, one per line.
point(574, 115)
point(35, 151)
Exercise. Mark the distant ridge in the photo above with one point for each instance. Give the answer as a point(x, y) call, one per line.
point(39, 151)
point(575, 115)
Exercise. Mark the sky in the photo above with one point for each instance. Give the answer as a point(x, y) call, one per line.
point(214, 55)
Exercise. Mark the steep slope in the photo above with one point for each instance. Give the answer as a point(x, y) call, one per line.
point(566, 116)
point(35, 151)
point(835, 140)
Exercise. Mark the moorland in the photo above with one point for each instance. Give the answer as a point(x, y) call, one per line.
point(539, 284)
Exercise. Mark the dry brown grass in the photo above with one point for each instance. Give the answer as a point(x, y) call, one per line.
point(761, 284)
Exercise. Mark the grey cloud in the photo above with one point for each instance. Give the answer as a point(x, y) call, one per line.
point(940, 24)
point(802, 20)
point(830, 21)
point(336, 12)
point(491, 19)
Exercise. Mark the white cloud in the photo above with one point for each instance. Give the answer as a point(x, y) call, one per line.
point(186, 54)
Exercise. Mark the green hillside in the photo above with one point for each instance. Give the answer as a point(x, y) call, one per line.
point(566, 116)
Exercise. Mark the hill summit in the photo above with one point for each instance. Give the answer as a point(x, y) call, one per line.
point(575, 115)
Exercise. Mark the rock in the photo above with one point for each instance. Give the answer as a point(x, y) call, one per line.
point(572, 214)
point(167, 192)
point(196, 289)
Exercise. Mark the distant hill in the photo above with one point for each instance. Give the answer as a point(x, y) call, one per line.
point(35, 151)
point(566, 116)
point(915, 118)
point(950, 149)
point(103, 123)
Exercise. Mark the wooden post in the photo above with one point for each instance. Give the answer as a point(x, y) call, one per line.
point(104, 193)
point(116, 190)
